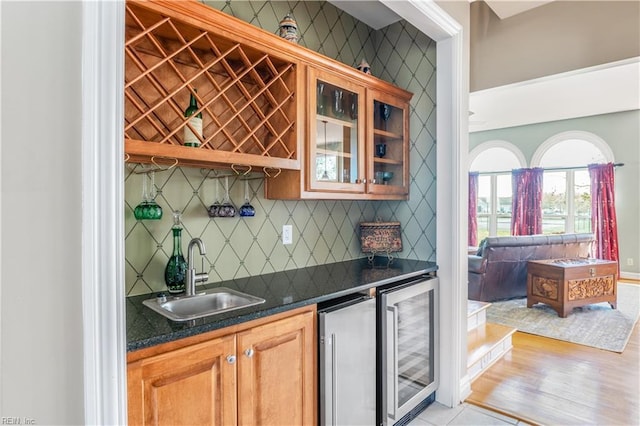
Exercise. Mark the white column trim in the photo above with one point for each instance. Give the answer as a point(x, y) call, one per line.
point(451, 223)
point(104, 330)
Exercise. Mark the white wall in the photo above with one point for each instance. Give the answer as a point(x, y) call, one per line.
point(557, 37)
point(41, 360)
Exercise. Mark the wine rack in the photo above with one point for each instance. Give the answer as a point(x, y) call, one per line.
point(246, 94)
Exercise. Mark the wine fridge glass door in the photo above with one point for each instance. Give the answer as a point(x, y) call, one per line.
point(409, 340)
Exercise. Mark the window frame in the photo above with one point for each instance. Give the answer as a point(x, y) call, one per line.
point(570, 180)
point(493, 215)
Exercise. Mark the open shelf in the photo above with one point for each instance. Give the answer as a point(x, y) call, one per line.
point(387, 135)
point(338, 121)
point(246, 96)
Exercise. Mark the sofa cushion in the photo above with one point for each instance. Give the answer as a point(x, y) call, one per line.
point(481, 246)
point(476, 264)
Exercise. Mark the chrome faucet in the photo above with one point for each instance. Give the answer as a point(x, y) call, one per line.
point(191, 278)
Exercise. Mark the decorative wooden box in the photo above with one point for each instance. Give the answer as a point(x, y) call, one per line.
point(380, 238)
point(565, 284)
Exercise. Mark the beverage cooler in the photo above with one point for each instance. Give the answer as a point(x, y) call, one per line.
point(407, 345)
point(347, 358)
point(377, 358)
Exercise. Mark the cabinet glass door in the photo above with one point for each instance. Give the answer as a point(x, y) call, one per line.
point(388, 158)
point(335, 151)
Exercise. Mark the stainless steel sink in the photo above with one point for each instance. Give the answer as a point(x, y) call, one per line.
point(210, 302)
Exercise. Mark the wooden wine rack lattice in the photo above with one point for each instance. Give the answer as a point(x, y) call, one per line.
point(246, 95)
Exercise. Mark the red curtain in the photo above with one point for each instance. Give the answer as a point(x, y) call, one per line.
point(603, 212)
point(526, 204)
point(473, 209)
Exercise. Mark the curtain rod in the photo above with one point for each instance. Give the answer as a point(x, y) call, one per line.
point(546, 169)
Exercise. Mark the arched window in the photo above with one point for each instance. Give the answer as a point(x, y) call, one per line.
point(566, 198)
point(494, 160)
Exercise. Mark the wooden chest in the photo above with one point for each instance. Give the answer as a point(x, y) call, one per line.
point(565, 284)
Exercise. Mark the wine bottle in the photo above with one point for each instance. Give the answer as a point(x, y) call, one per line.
point(195, 121)
point(176, 269)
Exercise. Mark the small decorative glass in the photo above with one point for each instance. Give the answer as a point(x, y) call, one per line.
point(148, 209)
point(288, 28)
point(214, 208)
point(353, 106)
point(320, 100)
point(337, 104)
point(385, 114)
point(227, 209)
point(364, 66)
point(247, 210)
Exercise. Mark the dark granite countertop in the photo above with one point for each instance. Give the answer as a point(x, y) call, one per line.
point(282, 291)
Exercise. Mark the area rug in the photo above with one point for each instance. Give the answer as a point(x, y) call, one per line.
point(594, 325)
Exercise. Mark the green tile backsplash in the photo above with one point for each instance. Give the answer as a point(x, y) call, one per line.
point(323, 231)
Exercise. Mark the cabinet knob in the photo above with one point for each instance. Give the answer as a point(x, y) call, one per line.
point(249, 352)
point(231, 359)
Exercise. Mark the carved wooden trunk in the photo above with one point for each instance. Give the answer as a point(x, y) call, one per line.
point(565, 284)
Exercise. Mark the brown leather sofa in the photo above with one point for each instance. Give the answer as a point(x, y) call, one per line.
point(499, 271)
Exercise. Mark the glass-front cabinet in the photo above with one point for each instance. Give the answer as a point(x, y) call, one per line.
point(388, 163)
point(357, 140)
point(336, 160)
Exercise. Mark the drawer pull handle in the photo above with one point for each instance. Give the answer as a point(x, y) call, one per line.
point(231, 359)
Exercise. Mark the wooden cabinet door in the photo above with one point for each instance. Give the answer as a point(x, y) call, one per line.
point(194, 385)
point(387, 145)
point(276, 365)
point(335, 160)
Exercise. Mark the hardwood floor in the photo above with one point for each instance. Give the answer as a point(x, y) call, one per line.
point(550, 382)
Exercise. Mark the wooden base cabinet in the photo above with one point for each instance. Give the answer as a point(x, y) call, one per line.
point(261, 375)
point(194, 385)
point(276, 373)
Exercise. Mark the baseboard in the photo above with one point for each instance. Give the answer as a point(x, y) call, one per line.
point(465, 387)
point(630, 275)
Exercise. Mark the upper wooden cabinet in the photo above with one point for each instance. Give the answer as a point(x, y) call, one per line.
point(246, 88)
point(264, 102)
point(388, 143)
point(357, 141)
point(335, 160)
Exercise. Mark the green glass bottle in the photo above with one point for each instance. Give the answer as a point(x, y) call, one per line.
point(195, 121)
point(175, 272)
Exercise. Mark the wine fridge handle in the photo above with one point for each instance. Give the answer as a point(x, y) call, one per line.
point(392, 349)
point(334, 381)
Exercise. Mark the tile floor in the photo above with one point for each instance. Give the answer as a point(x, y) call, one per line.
point(464, 414)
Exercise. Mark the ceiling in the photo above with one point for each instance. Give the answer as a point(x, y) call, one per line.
point(377, 15)
point(371, 12)
point(505, 9)
point(602, 89)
